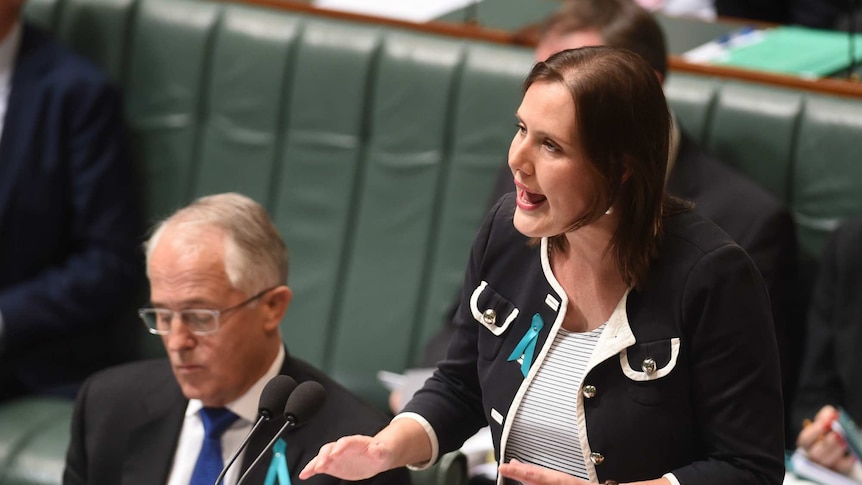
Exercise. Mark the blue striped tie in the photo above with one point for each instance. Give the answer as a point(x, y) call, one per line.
point(210, 461)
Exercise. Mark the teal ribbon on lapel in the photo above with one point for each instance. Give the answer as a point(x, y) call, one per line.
point(278, 465)
point(526, 348)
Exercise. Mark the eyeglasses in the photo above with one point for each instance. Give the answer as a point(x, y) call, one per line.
point(199, 321)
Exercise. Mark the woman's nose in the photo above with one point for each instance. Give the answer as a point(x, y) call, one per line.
point(518, 155)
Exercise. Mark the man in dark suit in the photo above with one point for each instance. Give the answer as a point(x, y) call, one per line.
point(218, 273)
point(832, 364)
point(754, 218)
point(69, 224)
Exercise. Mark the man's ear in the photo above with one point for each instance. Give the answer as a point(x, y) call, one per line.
point(275, 303)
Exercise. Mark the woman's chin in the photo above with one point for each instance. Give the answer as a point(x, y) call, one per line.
point(528, 225)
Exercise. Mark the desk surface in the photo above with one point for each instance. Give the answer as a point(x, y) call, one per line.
point(520, 17)
point(509, 22)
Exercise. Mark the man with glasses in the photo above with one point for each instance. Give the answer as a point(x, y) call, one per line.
point(217, 271)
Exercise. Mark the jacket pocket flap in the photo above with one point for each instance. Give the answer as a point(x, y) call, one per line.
point(492, 310)
point(651, 360)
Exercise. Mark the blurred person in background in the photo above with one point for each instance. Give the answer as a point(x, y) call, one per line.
point(833, 363)
point(70, 228)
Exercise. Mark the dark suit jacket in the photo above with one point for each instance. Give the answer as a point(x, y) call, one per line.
point(127, 423)
point(69, 225)
point(832, 364)
point(759, 223)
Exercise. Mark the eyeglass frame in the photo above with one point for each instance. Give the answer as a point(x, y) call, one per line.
point(217, 314)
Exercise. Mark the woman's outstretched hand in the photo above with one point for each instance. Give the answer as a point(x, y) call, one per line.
point(350, 458)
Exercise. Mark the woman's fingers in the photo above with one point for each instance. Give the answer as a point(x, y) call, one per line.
point(831, 451)
point(349, 458)
point(814, 431)
point(535, 475)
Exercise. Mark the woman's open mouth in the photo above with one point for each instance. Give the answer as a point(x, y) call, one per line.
point(527, 200)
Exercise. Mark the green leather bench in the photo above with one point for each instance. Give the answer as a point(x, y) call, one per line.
point(804, 148)
point(374, 148)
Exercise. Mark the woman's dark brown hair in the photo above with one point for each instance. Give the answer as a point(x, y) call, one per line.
point(623, 124)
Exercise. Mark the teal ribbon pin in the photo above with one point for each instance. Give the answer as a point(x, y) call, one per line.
point(527, 346)
point(278, 465)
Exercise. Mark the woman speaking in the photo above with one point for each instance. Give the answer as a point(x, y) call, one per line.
point(606, 332)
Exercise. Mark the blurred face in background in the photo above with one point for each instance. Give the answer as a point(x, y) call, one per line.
point(10, 10)
point(553, 42)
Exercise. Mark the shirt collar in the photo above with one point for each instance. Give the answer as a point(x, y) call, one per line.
point(9, 49)
point(246, 405)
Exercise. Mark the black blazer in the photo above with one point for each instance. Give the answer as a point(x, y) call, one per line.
point(751, 216)
point(832, 364)
point(711, 414)
point(758, 222)
point(127, 422)
point(69, 257)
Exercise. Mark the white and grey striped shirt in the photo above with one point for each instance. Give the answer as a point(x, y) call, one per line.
point(545, 430)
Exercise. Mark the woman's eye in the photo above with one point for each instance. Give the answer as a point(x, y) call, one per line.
point(521, 129)
point(550, 147)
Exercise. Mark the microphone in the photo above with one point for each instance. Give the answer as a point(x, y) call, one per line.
point(274, 396)
point(301, 406)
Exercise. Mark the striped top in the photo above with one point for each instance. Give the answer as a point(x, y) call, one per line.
point(545, 429)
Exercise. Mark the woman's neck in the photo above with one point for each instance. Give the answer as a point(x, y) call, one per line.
point(587, 270)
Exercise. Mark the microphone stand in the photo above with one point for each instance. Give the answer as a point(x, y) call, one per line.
point(290, 421)
point(239, 449)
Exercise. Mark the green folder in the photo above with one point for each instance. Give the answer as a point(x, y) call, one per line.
point(796, 50)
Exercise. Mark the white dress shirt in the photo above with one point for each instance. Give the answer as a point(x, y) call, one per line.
point(192, 433)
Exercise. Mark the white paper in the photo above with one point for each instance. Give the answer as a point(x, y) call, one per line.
point(803, 467)
point(410, 10)
point(390, 380)
point(719, 50)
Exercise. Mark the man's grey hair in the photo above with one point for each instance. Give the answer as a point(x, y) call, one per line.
point(255, 255)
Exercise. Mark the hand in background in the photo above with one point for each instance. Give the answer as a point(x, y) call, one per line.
point(823, 445)
point(350, 458)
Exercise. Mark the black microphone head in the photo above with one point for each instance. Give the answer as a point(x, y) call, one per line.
point(305, 402)
point(275, 395)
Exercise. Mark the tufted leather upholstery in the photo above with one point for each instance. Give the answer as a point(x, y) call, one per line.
point(374, 148)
